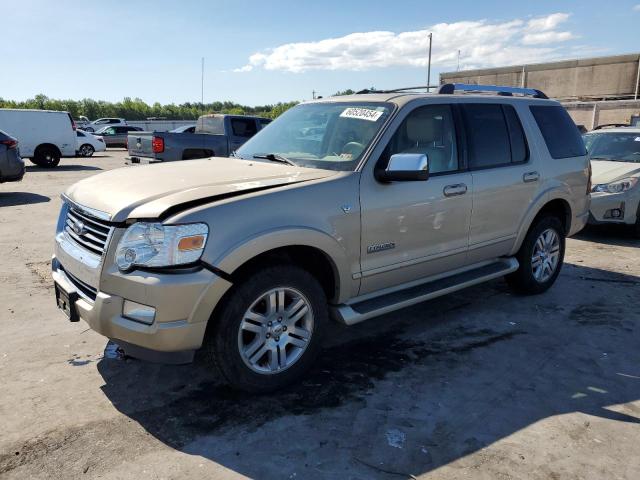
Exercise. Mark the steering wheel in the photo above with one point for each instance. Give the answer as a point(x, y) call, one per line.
point(353, 148)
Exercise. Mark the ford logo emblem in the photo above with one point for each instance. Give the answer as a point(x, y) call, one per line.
point(79, 228)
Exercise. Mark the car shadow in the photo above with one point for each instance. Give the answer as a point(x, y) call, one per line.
point(410, 391)
point(12, 199)
point(61, 168)
point(615, 235)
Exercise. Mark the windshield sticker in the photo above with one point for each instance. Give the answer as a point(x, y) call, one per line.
point(362, 114)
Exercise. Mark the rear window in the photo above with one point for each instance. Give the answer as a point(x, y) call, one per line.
point(558, 130)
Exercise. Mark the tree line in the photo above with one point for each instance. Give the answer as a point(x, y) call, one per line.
point(137, 109)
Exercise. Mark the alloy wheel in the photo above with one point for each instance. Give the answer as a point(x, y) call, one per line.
point(275, 330)
point(546, 255)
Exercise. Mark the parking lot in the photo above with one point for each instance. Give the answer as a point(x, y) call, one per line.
point(481, 383)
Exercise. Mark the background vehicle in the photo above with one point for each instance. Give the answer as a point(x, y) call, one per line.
point(615, 160)
point(214, 136)
point(184, 129)
point(88, 143)
point(44, 135)
point(11, 165)
point(103, 122)
point(116, 136)
point(346, 207)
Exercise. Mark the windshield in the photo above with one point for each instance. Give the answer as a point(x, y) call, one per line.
point(613, 146)
point(332, 136)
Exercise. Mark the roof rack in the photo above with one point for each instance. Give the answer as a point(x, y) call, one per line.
point(450, 88)
point(396, 90)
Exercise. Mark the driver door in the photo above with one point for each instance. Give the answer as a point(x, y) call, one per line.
point(415, 229)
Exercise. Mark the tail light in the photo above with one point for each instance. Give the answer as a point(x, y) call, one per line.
point(589, 182)
point(73, 122)
point(157, 144)
point(9, 143)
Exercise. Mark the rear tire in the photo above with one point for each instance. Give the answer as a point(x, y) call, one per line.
point(86, 150)
point(256, 340)
point(46, 157)
point(541, 257)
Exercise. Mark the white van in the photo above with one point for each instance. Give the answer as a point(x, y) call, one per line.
point(44, 136)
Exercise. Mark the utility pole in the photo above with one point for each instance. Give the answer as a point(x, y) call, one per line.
point(429, 64)
point(458, 69)
point(202, 85)
point(313, 93)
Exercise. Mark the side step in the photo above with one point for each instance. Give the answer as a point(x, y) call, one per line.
point(369, 308)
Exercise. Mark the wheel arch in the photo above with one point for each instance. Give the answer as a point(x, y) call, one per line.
point(558, 206)
point(46, 145)
point(316, 251)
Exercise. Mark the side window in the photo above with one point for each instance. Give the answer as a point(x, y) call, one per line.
point(487, 135)
point(243, 127)
point(264, 122)
point(101, 122)
point(519, 150)
point(121, 130)
point(110, 131)
point(79, 134)
point(429, 130)
point(114, 120)
point(560, 133)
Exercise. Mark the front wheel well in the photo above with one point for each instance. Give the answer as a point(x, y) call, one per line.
point(313, 260)
point(558, 208)
point(43, 146)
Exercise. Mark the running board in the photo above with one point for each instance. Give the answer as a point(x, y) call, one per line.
point(373, 307)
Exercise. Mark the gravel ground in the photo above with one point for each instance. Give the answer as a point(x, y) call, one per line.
point(479, 384)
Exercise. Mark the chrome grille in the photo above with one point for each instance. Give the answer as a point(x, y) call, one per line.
point(87, 231)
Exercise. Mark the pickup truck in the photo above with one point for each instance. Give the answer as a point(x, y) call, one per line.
point(214, 136)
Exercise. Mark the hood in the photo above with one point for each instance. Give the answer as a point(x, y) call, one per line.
point(149, 191)
point(605, 171)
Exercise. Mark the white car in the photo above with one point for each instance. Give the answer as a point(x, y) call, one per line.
point(89, 143)
point(615, 161)
point(44, 135)
point(104, 122)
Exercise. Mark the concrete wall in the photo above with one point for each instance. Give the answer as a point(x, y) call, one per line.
point(592, 114)
point(589, 78)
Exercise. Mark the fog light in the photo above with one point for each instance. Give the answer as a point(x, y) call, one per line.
point(138, 312)
point(614, 213)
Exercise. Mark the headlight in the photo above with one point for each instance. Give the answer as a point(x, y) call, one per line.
point(618, 186)
point(158, 245)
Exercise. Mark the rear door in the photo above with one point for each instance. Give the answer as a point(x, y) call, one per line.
point(506, 180)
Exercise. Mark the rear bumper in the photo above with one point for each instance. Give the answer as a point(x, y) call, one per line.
point(12, 169)
point(616, 208)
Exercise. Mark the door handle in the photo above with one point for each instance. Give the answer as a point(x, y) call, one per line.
point(530, 177)
point(454, 190)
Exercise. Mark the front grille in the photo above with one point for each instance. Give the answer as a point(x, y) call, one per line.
point(89, 232)
point(84, 290)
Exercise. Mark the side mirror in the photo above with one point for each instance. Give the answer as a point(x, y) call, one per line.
point(405, 167)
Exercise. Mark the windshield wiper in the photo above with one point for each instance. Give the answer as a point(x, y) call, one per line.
point(274, 157)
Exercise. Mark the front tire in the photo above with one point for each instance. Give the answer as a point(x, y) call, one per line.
point(541, 257)
point(86, 150)
point(268, 331)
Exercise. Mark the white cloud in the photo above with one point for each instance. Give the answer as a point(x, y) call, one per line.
point(482, 44)
point(636, 8)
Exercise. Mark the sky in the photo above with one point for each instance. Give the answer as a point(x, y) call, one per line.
point(263, 52)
